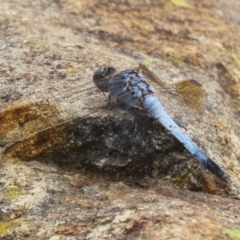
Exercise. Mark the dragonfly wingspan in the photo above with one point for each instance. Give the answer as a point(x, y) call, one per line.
point(129, 88)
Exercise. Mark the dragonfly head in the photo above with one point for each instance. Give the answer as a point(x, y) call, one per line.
point(101, 77)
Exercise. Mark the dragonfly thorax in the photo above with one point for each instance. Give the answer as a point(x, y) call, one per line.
point(129, 83)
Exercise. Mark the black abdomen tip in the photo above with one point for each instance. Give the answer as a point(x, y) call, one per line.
point(216, 170)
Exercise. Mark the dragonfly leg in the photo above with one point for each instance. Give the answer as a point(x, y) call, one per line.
point(134, 124)
point(135, 121)
point(109, 99)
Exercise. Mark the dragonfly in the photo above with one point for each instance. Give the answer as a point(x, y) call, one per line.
point(131, 89)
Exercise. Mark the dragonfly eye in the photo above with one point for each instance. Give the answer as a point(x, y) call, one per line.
point(101, 77)
point(108, 71)
point(99, 74)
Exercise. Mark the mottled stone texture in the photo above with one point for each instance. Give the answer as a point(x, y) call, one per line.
point(70, 172)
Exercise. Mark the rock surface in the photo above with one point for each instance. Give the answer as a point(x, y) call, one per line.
point(85, 178)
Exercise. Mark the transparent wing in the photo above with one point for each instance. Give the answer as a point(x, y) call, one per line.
point(23, 118)
point(185, 100)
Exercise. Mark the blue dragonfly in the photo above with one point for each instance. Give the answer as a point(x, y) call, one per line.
point(25, 128)
point(131, 88)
